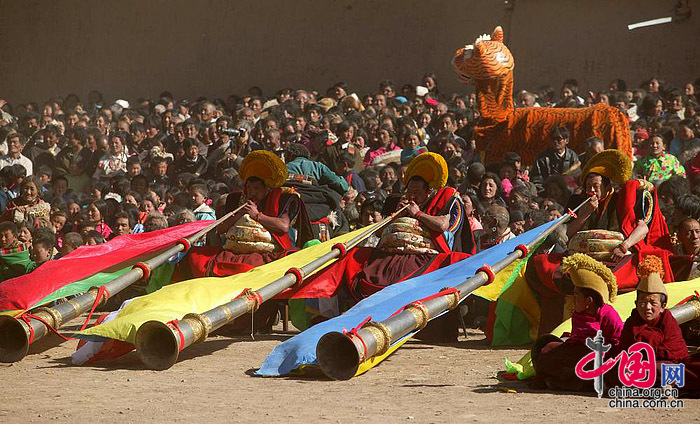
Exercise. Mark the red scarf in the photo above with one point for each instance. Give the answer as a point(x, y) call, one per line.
point(435, 207)
point(658, 235)
point(271, 207)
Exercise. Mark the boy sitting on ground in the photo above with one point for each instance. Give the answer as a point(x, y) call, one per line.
point(652, 323)
point(595, 288)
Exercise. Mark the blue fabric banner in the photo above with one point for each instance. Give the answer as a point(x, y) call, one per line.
point(301, 349)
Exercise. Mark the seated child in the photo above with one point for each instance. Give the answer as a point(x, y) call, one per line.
point(14, 255)
point(92, 238)
point(58, 222)
point(24, 234)
point(370, 213)
point(651, 323)
point(71, 241)
point(8, 235)
point(42, 251)
point(595, 289)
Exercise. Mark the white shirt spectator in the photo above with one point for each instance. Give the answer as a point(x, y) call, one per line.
point(110, 165)
point(7, 160)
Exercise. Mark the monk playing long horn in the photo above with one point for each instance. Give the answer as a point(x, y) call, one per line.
point(431, 235)
point(272, 223)
point(620, 225)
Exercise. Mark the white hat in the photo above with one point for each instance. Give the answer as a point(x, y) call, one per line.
point(114, 196)
point(270, 103)
point(421, 91)
point(122, 103)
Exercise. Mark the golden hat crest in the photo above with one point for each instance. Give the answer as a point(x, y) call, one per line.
point(429, 166)
point(264, 165)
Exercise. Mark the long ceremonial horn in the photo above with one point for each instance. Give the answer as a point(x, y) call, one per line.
point(16, 335)
point(340, 355)
point(159, 344)
point(687, 311)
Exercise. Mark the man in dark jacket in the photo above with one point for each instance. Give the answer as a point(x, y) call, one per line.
point(556, 160)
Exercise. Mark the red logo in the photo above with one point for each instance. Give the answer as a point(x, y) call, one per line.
point(633, 370)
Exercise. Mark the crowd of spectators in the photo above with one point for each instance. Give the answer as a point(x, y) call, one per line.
point(76, 171)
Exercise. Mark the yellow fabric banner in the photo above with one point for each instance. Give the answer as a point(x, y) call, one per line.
point(520, 294)
point(202, 294)
point(492, 291)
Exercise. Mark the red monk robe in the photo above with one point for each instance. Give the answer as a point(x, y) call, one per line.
point(621, 212)
point(213, 261)
point(665, 337)
point(366, 270)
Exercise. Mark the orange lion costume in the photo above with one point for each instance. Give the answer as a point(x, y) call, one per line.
point(502, 128)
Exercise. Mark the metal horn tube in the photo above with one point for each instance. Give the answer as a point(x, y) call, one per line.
point(154, 338)
point(340, 354)
point(16, 335)
point(686, 312)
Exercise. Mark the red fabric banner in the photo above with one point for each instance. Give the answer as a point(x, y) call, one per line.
point(326, 282)
point(24, 291)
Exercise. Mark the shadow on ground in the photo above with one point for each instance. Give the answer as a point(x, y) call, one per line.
point(131, 360)
point(521, 386)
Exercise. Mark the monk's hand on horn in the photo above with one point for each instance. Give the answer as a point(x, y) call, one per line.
point(619, 252)
point(591, 206)
point(405, 201)
point(251, 209)
point(413, 209)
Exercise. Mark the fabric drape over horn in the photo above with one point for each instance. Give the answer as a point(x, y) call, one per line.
point(300, 350)
point(87, 266)
point(202, 294)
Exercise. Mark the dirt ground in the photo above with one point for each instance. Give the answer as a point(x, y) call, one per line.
point(212, 383)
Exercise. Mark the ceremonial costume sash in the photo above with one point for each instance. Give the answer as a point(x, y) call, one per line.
point(436, 207)
point(271, 207)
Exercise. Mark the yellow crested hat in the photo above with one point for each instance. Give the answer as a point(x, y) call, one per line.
point(612, 164)
point(429, 166)
point(651, 272)
point(588, 273)
point(264, 165)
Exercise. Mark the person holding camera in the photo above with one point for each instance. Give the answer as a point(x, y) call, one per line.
point(240, 143)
